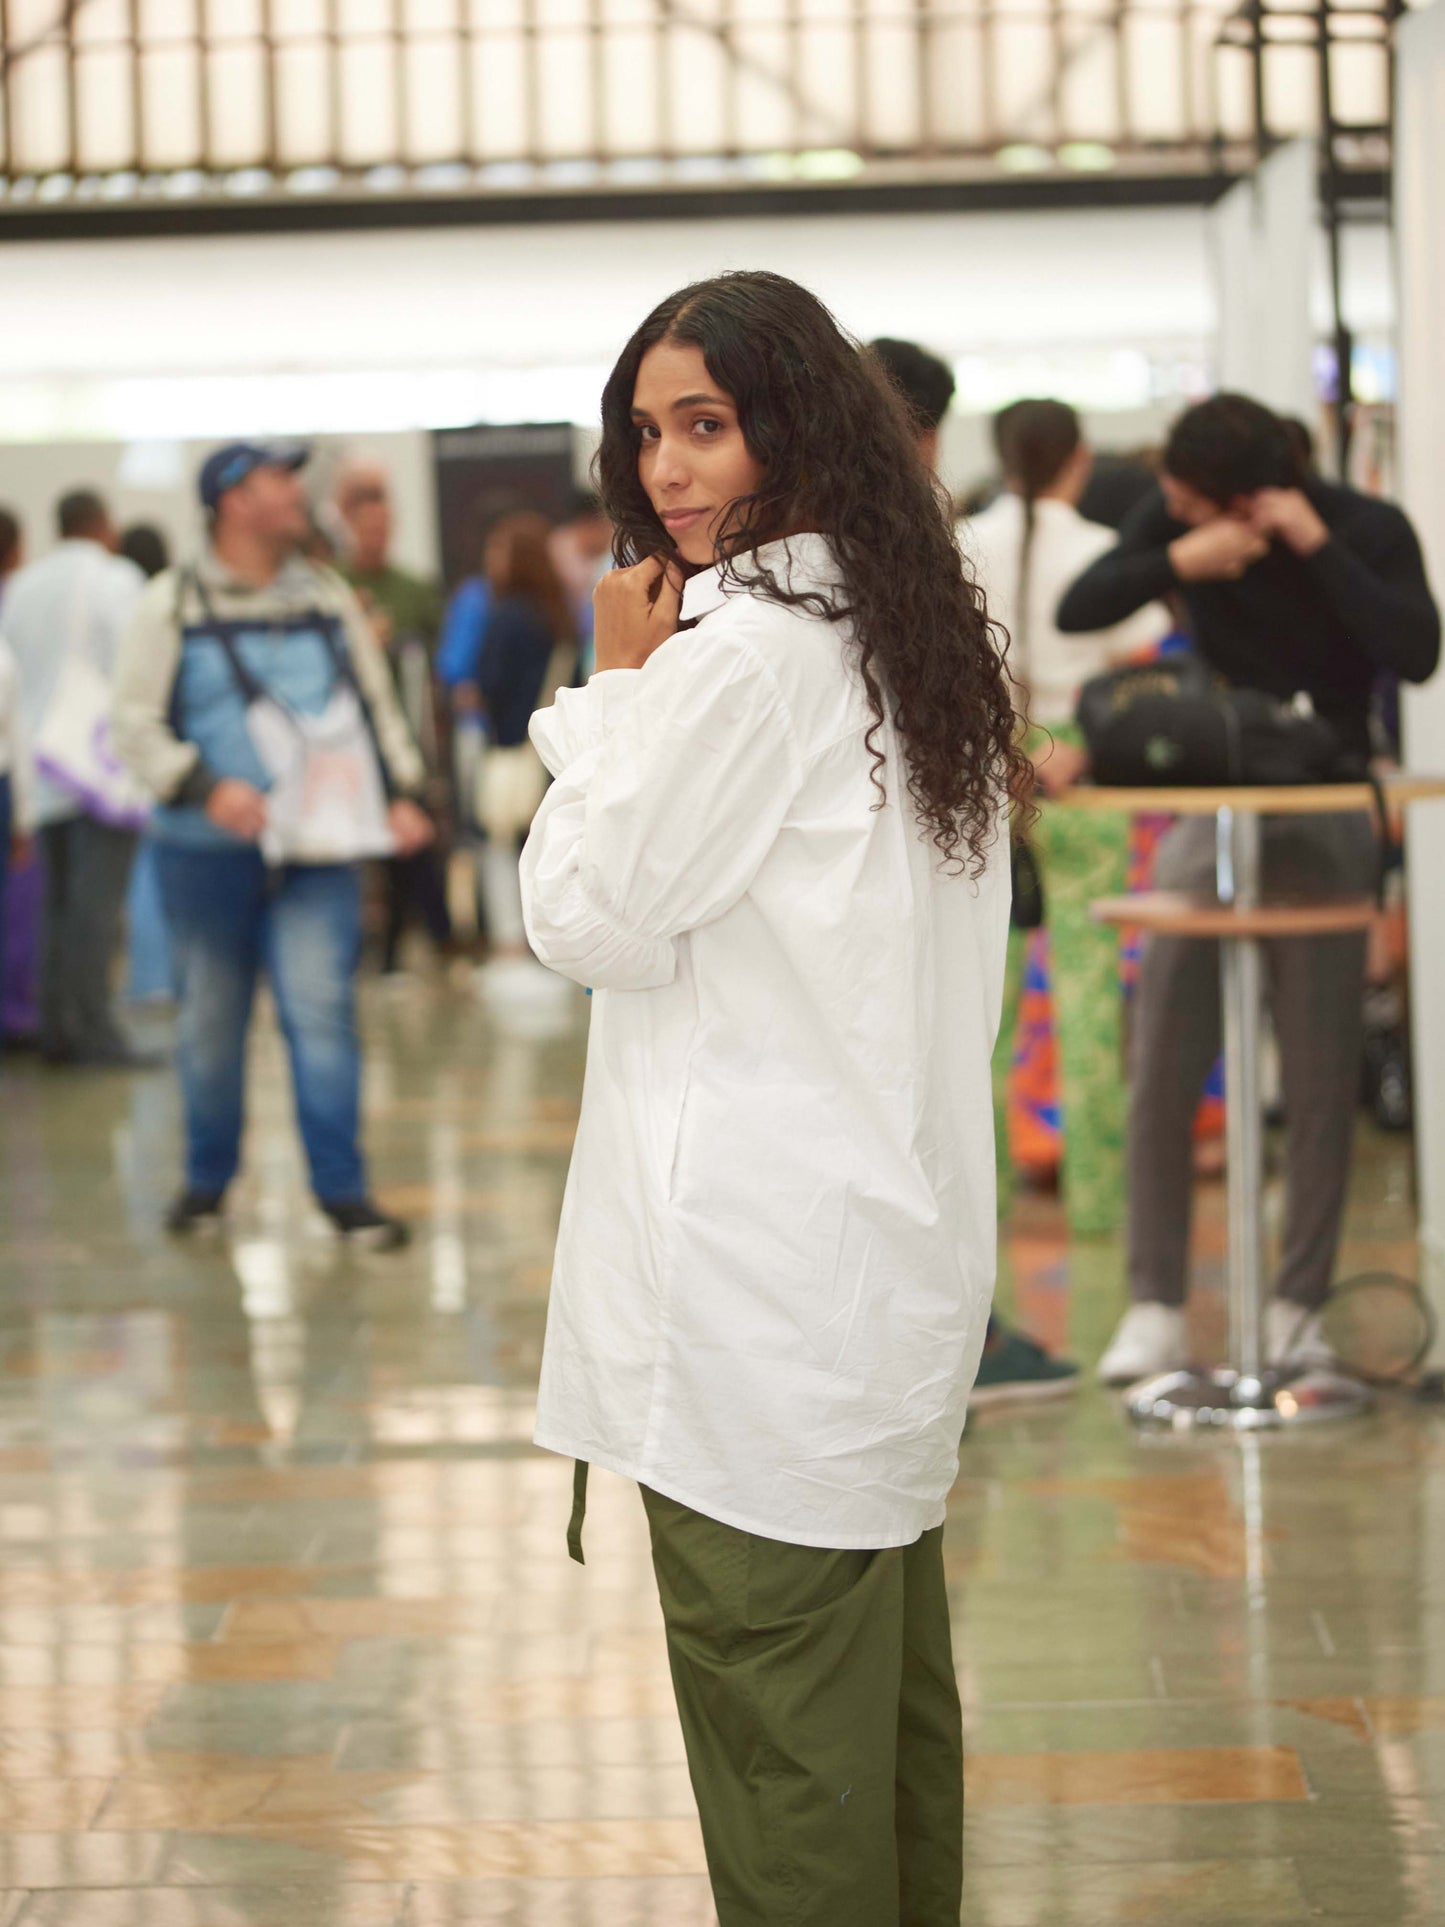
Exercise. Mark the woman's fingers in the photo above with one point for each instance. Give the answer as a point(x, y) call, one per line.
point(636, 609)
point(665, 589)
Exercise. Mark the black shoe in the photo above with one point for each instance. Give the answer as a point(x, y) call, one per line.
point(1014, 1368)
point(195, 1211)
point(361, 1222)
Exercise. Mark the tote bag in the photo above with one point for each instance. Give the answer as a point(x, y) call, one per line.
point(510, 786)
point(510, 783)
point(326, 802)
point(74, 745)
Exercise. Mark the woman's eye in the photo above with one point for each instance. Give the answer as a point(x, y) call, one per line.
point(647, 432)
point(707, 427)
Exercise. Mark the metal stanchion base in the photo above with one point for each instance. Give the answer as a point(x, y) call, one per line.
point(1226, 1400)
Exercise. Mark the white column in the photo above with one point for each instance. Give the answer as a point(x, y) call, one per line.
point(1420, 250)
point(1264, 247)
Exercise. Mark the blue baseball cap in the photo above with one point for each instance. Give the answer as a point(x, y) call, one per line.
point(233, 463)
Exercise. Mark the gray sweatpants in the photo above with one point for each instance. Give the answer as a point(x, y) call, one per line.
point(1315, 987)
point(87, 871)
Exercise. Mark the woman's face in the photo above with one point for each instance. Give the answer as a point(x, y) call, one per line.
point(691, 457)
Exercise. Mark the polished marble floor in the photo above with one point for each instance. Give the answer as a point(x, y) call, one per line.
point(288, 1634)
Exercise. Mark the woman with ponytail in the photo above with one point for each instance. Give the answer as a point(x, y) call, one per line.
point(776, 848)
point(1028, 548)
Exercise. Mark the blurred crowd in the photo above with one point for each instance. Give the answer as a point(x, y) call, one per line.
point(288, 681)
point(530, 595)
point(340, 753)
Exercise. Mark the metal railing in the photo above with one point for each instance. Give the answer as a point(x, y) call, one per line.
point(112, 101)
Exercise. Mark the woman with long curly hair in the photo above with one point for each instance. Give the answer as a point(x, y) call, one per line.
point(776, 849)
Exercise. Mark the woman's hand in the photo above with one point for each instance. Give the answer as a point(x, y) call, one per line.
point(1292, 516)
point(1217, 551)
point(635, 611)
point(1060, 765)
point(411, 828)
point(238, 808)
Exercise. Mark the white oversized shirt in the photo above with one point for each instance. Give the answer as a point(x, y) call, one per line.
point(778, 1242)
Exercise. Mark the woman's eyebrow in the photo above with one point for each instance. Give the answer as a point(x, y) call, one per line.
point(683, 401)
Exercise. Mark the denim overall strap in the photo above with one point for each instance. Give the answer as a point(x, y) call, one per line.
point(332, 632)
point(330, 629)
point(224, 631)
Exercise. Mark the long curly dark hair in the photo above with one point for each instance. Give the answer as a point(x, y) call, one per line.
point(838, 454)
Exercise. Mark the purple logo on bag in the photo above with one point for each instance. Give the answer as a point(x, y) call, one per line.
point(101, 791)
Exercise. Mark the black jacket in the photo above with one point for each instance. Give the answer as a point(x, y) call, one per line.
point(1326, 623)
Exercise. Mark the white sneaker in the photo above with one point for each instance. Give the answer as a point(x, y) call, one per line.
point(1151, 1338)
point(1294, 1339)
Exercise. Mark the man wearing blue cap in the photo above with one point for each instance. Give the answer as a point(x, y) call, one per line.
point(252, 701)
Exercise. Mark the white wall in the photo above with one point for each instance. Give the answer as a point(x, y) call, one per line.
point(1420, 237)
point(104, 337)
point(1267, 249)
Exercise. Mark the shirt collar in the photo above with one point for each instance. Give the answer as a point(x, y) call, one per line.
point(295, 578)
point(800, 562)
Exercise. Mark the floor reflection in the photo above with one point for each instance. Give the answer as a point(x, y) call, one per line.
point(288, 1633)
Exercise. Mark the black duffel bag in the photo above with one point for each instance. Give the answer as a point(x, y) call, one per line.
point(1173, 722)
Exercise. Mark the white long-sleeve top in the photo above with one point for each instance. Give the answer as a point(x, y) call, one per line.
point(1054, 666)
point(79, 597)
point(14, 753)
point(778, 1242)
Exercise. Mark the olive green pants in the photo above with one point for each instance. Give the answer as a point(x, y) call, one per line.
point(1081, 855)
point(821, 1716)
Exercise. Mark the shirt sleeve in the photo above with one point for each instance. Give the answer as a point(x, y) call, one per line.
point(460, 647)
point(1135, 571)
point(145, 674)
point(582, 719)
point(1148, 624)
point(672, 784)
point(1377, 588)
point(118, 593)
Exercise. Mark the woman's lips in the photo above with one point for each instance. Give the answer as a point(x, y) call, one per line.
point(675, 519)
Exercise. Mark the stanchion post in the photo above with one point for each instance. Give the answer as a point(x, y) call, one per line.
point(1237, 878)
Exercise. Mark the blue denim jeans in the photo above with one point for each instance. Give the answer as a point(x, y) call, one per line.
point(230, 918)
point(150, 974)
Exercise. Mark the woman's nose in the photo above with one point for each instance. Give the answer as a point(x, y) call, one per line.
point(671, 470)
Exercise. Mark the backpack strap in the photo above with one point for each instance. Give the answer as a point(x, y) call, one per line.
point(333, 628)
point(331, 625)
